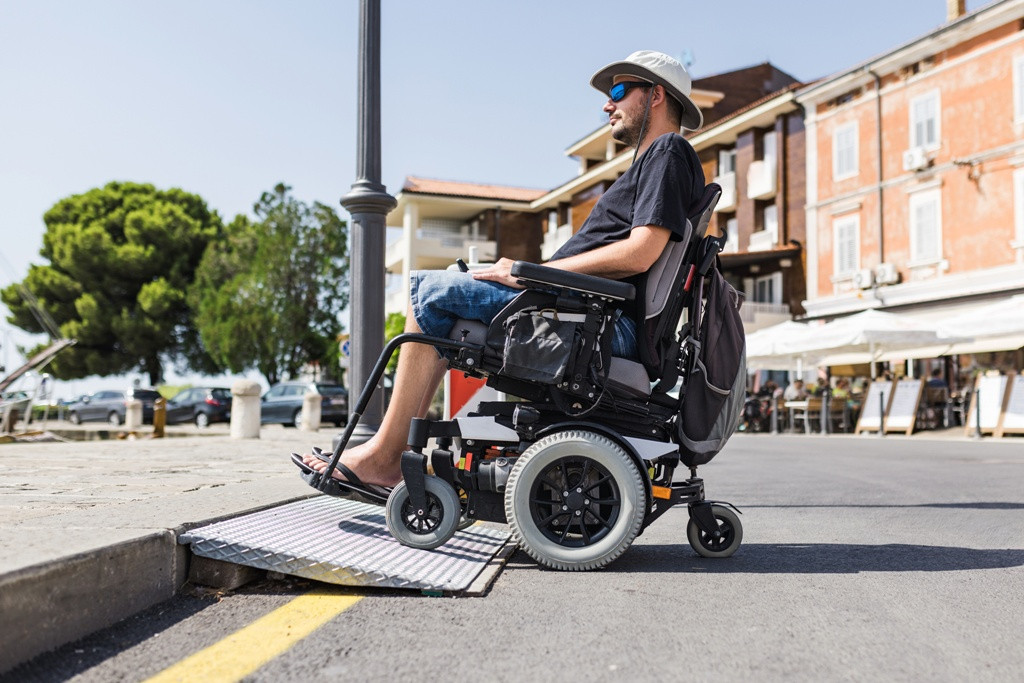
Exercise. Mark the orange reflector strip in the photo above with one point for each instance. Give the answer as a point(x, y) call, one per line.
point(661, 492)
point(469, 461)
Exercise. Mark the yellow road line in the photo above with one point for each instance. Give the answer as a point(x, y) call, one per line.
point(248, 649)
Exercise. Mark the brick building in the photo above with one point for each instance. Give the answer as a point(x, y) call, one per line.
point(915, 173)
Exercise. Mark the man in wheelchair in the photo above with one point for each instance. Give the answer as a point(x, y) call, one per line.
point(582, 339)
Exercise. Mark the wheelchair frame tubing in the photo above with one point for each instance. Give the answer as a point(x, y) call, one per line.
point(371, 385)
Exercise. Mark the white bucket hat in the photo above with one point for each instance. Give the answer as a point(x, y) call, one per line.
point(658, 68)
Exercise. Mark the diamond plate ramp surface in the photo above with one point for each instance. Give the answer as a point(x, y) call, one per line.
point(344, 542)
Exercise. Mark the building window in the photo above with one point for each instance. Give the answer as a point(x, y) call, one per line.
point(1018, 89)
point(844, 151)
point(1018, 206)
point(726, 161)
point(770, 222)
point(925, 226)
point(769, 150)
point(846, 253)
point(768, 289)
point(732, 244)
point(924, 121)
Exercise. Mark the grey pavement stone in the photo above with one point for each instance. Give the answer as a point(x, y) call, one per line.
point(88, 529)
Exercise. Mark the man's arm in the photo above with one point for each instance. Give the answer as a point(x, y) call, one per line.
point(633, 255)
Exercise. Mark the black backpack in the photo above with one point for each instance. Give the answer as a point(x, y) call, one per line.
point(714, 363)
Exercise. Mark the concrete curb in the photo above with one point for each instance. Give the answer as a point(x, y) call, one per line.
point(54, 603)
point(48, 605)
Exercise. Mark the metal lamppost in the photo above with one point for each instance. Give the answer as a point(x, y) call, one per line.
point(368, 204)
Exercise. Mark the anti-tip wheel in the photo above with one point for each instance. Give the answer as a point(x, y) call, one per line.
point(729, 526)
point(434, 526)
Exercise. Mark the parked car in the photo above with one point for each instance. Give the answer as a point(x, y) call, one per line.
point(15, 401)
point(202, 405)
point(110, 406)
point(283, 403)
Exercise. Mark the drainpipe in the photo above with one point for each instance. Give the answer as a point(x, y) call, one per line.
point(878, 138)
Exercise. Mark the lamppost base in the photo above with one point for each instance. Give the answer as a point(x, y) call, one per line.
point(360, 435)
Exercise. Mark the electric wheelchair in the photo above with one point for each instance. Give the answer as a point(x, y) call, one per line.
point(585, 460)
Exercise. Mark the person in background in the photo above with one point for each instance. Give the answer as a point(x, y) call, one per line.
point(842, 390)
point(795, 391)
point(936, 381)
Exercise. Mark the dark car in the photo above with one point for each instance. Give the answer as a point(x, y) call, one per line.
point(202, 405)
point(283, 403)
point(110, 406)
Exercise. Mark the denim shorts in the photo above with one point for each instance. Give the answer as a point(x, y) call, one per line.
point(440, 297)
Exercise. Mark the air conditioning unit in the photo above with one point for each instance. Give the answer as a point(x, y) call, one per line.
point(863, 278)
point(914, 159)
point(886, 274)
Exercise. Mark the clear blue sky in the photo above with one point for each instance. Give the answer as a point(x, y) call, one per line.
point(225, 98)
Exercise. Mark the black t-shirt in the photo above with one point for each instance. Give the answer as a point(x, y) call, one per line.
point(659, 189)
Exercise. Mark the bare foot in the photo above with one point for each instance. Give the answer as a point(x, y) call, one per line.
point(368, 463)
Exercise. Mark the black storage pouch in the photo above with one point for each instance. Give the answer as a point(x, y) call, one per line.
point(537, 348)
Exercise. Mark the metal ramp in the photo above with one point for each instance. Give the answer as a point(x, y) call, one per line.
point(347, 543)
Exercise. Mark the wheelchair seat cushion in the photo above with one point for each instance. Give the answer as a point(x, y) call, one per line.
point(472, 331)
point(628, 378)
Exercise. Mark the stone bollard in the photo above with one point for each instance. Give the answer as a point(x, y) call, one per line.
point(132, 414)
point(245, 409)
point(312, 404)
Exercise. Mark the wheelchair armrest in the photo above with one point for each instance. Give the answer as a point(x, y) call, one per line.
point(589, 284)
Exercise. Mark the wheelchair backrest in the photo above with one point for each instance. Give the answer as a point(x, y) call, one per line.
point(662, 289)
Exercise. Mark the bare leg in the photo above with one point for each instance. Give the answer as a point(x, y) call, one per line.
point(377, 461)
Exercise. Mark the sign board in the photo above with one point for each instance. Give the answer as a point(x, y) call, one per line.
point(990, 390)
point(344, 350)
point(876, 402)
point(462, 394)
point(903, 407)
point(1013, 412)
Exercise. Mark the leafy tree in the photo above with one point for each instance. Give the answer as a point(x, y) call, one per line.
point(394, 325)
point(269, 295)
point(121, 258)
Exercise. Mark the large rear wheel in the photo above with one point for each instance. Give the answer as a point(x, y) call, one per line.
point(575, 500)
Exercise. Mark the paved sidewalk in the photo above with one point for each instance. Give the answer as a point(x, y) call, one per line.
point(88, 529)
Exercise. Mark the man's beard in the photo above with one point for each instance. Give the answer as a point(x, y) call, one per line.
point(628, 135)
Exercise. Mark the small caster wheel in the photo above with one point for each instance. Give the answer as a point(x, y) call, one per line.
point(429, 528)
point(725, 545)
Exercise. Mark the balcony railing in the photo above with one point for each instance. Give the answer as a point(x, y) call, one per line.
point(553, 239)
point(762, 240)
point(727, 202)
point(437, 249)
point(761, 179)
point(756, 315)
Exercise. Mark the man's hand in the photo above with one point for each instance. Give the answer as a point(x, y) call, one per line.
point(500, 272)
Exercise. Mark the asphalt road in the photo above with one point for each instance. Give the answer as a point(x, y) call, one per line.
point(863, 558)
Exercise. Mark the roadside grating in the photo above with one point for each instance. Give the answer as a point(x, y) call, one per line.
point(344, 542)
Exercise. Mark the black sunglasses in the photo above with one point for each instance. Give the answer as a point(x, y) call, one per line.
point(620, 90)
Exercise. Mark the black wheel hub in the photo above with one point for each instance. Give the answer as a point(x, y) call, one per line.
point(575, 501)
point(422, 521)
point(720, 539)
